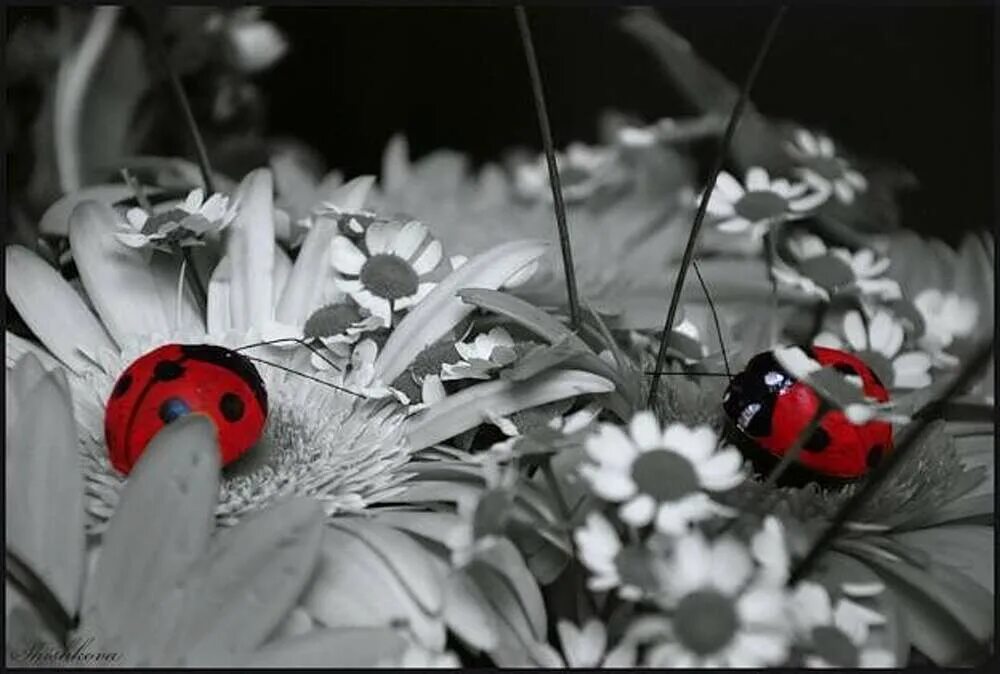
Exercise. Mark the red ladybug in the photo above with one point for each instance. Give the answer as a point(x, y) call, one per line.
point(179, 379)
point(770, 406)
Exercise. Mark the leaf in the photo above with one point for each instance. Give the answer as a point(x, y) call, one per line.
point(350, 647)
point(407, 558)
point(240, 592)
point(475, 405)
point(467, 612)
point(434, 526)
point(356, 586)
point(442, 310)
point(44, 498)
point(160, 528)
point(953, 611)
point(505, 559)
point(541, 358)
point(966, 549)
point(515, 638)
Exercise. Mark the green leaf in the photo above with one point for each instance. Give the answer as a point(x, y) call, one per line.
point(542, 358)
point(434, 526)
point(475, 405)
point(546, 561)
point(505, 559)
point(966, 549)
point(357, 586)
point(468, 614)
point(44, 498)
point(345, 647)
point(160, 528)
point(239, 593)
point(442, 310)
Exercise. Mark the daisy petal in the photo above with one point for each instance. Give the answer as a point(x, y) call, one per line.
point(611, 447)
point(639, 511)
point(429, 259)
point(645, 430)
point(854, 330)
point(378, 238)
point(734, 225)
point(406, 243)
point(729, 186)
point(346, 257)
point(757, 180)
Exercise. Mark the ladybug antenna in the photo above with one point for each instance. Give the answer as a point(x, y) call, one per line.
point(715, 317)
point(296, 340)
point(284, 368)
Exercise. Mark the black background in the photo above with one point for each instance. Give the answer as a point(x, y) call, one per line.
point(911, 84)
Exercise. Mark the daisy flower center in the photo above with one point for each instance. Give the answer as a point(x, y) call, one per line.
point(664, 475)
point(834, 646)
point(705, 621)
point(829, 271)
point(332, 320)
point(389, 276)
point(761, 205)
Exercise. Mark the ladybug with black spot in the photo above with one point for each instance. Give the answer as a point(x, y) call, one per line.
point(180, 379)
point(773, 408)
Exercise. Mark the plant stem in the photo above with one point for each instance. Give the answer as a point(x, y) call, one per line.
point(550, 159)
point(567, 515)
point(923, 418)
point(699, 217)
point(770, 256)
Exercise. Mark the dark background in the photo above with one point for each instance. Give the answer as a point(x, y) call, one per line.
point(911, 84)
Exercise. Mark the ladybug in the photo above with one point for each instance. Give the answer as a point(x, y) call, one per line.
point(770, 406)
point(179, 379)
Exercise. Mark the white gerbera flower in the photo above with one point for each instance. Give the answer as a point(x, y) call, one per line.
point(825, 272)
point(391, 272)
point(341, 449)
point(487, 352)
point(945, 317)
point(836, 635)
point(660, 476)
point(880, 345)
point(761, 203)
point(724, 613)
point(823, 169)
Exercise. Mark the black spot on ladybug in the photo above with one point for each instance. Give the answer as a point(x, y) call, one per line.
point(846, 368)
point(234, 362)
point(122, 386)
point(173, 408)
point(167, 370)
point(818, 441)
point(874, 457)
point(231, 407)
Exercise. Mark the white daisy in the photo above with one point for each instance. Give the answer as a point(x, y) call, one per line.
point(724, 613)
point(254, 44)
point(659, 476)
point(487, 352)
point(632, 569)
point(880, 345)
point(761, 203)
point(836, 634)
point(345, 451)
point(181, 225)
point(337, 326)
point(825, 272)
point(390, 272)
point(822, 168)
point(945, 317)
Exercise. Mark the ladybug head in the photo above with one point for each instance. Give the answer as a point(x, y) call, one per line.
point(750, 396)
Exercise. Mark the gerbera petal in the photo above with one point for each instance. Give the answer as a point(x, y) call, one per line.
point(250, 248)
point(132, 296)
point(639, 511)
point(645, 430)
point(429, 259)
point(854, 330)
point(729, 186)
point(406, 243)
point(302, 293)
point(757, 179)
point(346, 257)
point(53, 309)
